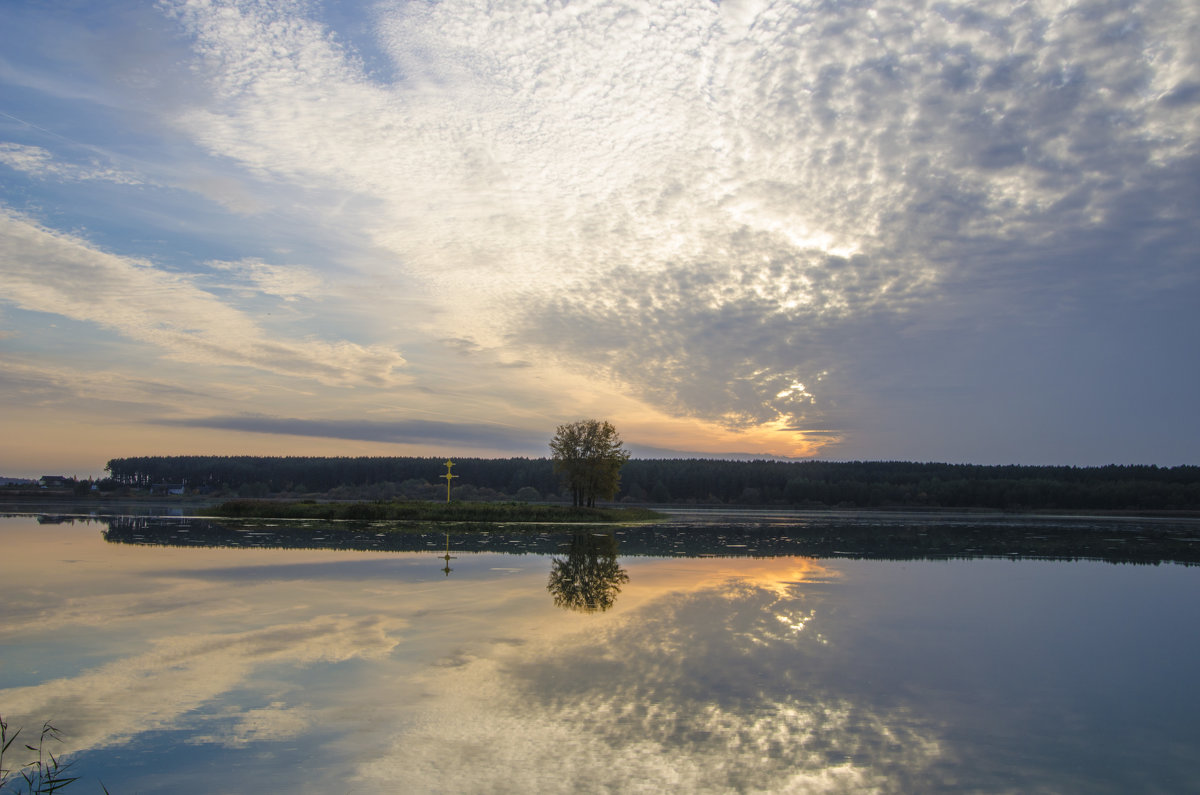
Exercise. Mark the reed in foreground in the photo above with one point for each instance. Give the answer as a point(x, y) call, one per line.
point(43, 774)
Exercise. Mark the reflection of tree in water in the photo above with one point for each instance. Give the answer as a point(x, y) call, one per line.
point(589, 579)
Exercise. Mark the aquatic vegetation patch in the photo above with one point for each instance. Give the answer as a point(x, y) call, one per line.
point(417, 510)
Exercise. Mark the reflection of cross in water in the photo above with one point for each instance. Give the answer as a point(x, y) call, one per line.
point(448, 557)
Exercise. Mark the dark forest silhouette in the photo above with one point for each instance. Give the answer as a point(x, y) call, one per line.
point(802, 484)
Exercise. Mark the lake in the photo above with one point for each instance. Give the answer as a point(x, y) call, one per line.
point(734, 652)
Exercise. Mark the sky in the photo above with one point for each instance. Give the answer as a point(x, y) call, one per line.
point(961, 232)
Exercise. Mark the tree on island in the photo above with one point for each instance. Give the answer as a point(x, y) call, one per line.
point(588, 455)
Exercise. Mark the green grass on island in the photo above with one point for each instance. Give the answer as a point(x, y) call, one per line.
point(423, 511)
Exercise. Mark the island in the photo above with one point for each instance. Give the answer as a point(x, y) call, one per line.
point(427, 511)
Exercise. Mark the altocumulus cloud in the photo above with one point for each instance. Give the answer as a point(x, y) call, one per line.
point(705, 202)
point(893, 161)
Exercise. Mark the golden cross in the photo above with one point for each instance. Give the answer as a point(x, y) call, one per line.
point(448, 476)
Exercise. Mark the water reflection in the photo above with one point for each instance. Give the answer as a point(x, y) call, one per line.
point(708, 691)
point(829, 535)
point(447, 557)
point(589, 578)
point(176, 666)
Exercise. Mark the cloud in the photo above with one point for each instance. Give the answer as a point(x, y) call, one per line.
point(952, 163)
point(719, 215)
point(40, 163)
point(57, 273)
point(707, 202)
point(288, 282)
point(495, 436)
point(22, 383)
point(647, 451)
point(741, 343)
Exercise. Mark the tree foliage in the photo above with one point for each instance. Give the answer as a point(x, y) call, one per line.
point(589, 457)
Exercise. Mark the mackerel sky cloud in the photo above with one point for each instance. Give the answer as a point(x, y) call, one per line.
point(922, 231)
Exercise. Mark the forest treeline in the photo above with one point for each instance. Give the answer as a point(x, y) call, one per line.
point(803, 484)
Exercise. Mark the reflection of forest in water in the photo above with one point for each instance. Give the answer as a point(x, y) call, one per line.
point(589, 578)
point(863, 536)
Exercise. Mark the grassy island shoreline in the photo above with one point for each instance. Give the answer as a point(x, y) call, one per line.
point(423, 511)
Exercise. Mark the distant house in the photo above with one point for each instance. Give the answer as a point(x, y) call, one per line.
point(167, 488)
point(54, 482)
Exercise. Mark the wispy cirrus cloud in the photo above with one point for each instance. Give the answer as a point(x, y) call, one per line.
point(57, 273)
point(33, 383)
point(39, 162)
point(495, 436)
point(287, 282)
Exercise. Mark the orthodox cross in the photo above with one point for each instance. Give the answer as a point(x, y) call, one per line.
point(449, 476)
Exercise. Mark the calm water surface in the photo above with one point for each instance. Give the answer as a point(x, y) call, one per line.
point(191, 669)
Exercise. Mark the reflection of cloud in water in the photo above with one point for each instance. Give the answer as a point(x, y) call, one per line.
point(778, 575)
point(57, 612)
point(712, 690)
point(276, 721)
point(150, 691)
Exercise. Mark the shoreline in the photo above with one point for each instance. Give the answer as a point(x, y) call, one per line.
point(195, 507)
